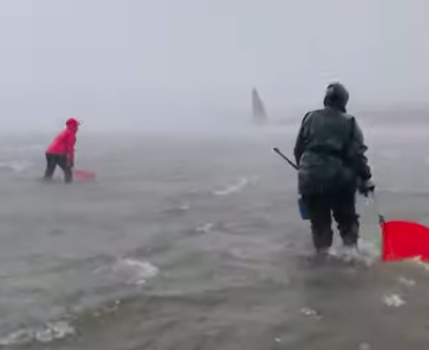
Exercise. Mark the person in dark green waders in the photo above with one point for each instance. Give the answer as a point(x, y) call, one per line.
point(332, 166)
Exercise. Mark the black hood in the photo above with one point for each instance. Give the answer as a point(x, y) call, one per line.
point(336, 97)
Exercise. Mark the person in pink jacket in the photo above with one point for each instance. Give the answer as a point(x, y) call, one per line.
point(61, 152)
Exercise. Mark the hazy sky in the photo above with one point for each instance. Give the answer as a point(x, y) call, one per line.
point(140, 62)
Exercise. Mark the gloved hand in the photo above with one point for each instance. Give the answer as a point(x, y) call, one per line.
point(366, 187)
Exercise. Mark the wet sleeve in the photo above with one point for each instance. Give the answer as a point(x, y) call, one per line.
point(300, 140)
point(70, 144)
point(357, 152)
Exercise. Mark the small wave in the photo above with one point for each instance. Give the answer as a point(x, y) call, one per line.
point(46, 334)
point(417, 261)
point(184, 207)
point(232, 188)
point(17, 166)
point(406, 281)
point(206, 228)
point(180, 209)
point(310, 313)
point(363, 255)
point(138, 272)
point(393, 300)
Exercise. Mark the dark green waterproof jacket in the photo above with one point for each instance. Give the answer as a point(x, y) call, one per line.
point(330, 153)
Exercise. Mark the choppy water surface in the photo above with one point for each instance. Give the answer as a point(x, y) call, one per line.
point(195, 242)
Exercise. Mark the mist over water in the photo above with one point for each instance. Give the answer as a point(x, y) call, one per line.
point(139, 66)
point(190, 238)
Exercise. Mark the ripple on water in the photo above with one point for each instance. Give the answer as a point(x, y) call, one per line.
point(240, 184)
point(48, 333)
point(137, 272)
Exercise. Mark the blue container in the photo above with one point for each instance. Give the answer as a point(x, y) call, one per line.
point(303, 211)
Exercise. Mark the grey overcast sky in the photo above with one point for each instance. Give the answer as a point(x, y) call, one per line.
point(138, 62)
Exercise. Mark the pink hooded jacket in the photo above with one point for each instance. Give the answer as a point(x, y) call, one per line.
point(64, 143)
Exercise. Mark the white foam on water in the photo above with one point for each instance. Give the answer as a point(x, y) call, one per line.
point(393, 300)
point(138, 272)
point(366, 254)
point(46, 334)
point(418, 262)
point(310, 313)
point(406, 281)
point(206, 228)
point(239, 185)
point(364, 346)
